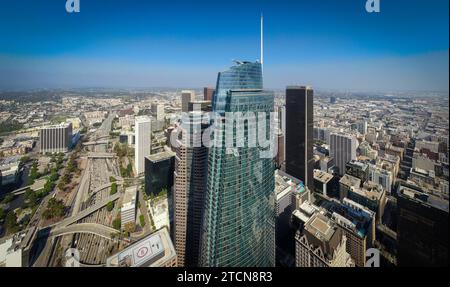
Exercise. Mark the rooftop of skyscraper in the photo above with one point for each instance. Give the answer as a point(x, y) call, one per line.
point(60, 125)
point(285, 182)
point(415, 194)
point(351, 215)
point(349, 180)
point(152, 251)
point(374, 194)
point(321, 231)
point(322, 176)
point(157, 157)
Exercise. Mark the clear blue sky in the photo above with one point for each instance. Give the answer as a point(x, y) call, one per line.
point(330, 44)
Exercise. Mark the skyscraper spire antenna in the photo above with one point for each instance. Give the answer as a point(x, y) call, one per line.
point(262, 41)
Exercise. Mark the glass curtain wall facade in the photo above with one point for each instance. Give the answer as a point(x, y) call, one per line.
point(239, 216)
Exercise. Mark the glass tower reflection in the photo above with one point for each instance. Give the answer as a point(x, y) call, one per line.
point(238, 223)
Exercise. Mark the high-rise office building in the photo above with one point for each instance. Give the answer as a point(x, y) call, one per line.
point(362, 126)
point(239, 217)
point(299, 134)
point(55, 139)
point(142, 147)
point(357, 169)
point(280, 137)
point(370, 195)
point(208, 94)
point(287, 189)
point(186, 98)
point(191, 170)
point(346, 184)
point(381, 176)
point(326, 184)
point(158, 111)
point(205, 106)
point(357, 223)
point(342, 149)
point(279, 158)
point(282, 118)
point(159, 169)
point(422, 228)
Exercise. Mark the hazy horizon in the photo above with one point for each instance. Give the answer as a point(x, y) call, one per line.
point(326, 44)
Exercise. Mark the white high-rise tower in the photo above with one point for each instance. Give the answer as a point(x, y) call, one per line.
point(142, 147)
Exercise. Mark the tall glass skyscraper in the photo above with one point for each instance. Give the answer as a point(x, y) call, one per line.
point(239, 215)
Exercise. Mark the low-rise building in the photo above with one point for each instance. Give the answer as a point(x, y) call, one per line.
point(128, 210)
point(9, 170)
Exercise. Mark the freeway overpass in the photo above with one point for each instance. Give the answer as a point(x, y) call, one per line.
point(82, 214)
point(91, 228)
point(95, 143)
point(92, 155)
point(105, 186)
point(20, 190)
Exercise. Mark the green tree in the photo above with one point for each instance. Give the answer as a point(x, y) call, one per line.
point(163, 192)
point(152, 223)
point(24, 159)
point(129, 170)
point(110, 206)
point(130, 227)
point(8, 198)
point(10, 126)
point(11, 220)
point(33, 173)
point(54, 175)
point(31, 198)
point(65, 179)
point(117, 223)
point(142, 220)
point(55, 208)
point(113, 188)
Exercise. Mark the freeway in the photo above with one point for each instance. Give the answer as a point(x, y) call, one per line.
point(89, 220)
point(105, 128)
point(82, 188)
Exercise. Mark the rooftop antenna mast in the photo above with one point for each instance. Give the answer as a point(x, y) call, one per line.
point(262, 42)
